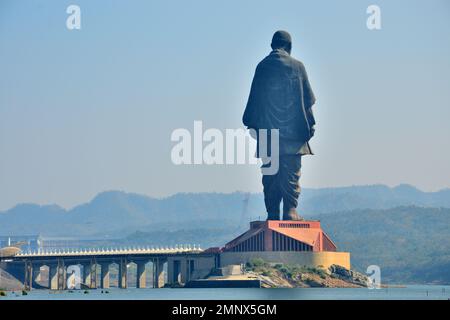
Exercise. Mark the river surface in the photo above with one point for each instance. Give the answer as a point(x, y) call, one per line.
point(411, 292)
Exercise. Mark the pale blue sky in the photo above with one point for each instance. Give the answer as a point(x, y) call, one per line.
point(92, 110)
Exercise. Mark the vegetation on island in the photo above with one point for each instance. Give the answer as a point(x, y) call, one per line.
point(290, 276)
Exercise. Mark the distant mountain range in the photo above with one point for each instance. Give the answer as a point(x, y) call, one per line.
point(116, 213)
point(403, 230)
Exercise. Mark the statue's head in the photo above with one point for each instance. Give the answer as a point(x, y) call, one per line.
point(282, 40)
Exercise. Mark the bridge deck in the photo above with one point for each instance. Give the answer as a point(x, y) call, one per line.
point(107, 252)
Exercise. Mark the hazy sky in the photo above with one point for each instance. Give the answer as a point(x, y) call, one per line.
point(89, 110)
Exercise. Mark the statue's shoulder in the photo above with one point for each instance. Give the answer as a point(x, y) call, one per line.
point(298, 64)
point(266, 60)
point(274, 60)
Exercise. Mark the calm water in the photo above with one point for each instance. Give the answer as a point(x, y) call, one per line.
point(410, 293)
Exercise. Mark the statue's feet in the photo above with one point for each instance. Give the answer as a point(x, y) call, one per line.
point(292, 215)
point(273, 216)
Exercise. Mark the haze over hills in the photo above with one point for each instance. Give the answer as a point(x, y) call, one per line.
point(118, 213)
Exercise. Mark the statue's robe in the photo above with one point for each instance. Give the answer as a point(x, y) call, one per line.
point(281, 98)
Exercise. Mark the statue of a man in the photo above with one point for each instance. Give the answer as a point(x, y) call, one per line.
point(281, 98)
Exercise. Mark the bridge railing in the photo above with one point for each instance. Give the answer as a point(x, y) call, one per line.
point(113, 251)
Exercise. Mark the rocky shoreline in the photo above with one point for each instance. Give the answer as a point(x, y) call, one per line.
point(288, 276)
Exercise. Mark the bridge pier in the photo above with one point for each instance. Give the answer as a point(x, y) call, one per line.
point(190, 268)
point(93, 272)
point(179, 270)
point(32, 275)
point(57, 276)
point(123, 273)
point(184, 271)
point(104, 276)
point(158, 273)
point(141, 275)
point(173, 271)
point(62, 284)
point(28, 279)
point(87, 274)
point(53, 277)
point(170, 272)
point(90, 274)
point(36, 276)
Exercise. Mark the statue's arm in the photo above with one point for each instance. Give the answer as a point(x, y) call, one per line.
point(309, 99)
point(249, 118)
point(311, 121)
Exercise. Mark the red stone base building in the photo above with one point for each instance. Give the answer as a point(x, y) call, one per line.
point(276, 235)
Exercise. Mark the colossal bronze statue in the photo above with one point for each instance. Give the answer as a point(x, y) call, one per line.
point(281, 98)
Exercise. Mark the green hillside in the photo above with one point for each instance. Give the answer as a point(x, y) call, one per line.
point(410, 244)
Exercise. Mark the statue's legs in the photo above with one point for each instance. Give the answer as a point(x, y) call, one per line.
point(289, 173)
point(283, 186)
point(272, 196)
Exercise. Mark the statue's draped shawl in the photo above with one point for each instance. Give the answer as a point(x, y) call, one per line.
point(281, 98)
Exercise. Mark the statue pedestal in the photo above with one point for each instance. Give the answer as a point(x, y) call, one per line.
point(282, 235)
point(294, 242)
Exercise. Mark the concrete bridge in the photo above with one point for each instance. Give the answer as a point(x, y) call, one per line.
point(172, 266)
